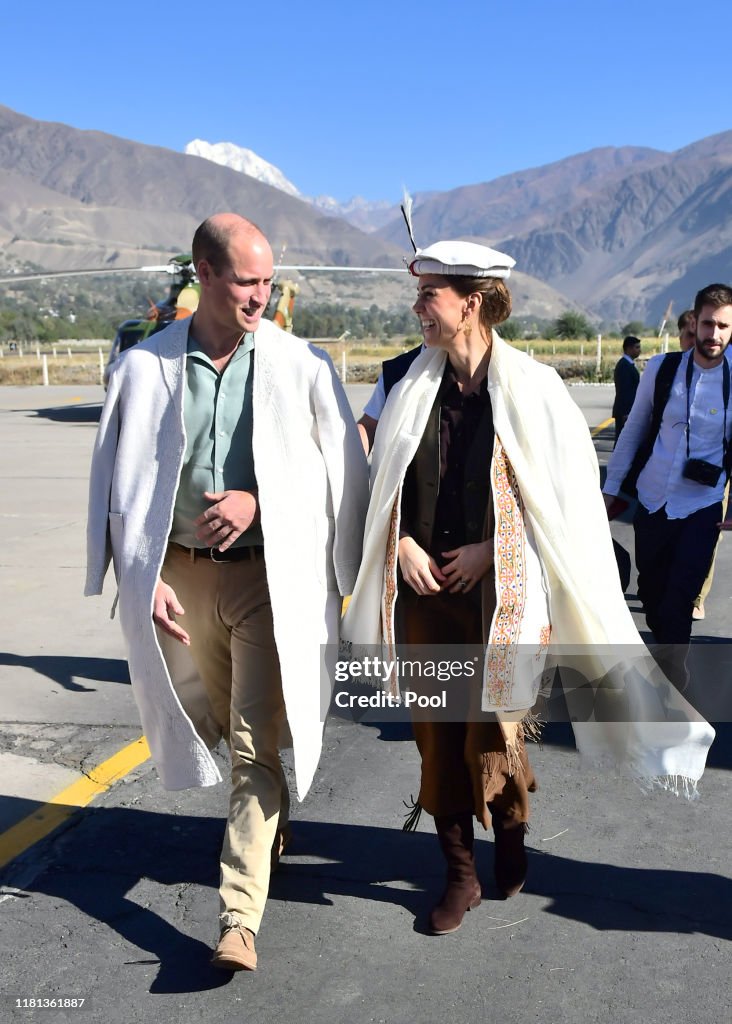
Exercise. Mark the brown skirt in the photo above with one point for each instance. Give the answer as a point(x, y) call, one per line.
point(465, 765)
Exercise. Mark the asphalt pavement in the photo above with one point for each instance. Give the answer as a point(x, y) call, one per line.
point(625, 917)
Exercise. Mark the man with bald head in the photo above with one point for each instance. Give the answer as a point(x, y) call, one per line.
point(229, 489)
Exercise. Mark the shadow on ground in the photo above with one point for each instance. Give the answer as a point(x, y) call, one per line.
point(105, 863)
point(74, 413)
point(65, 670)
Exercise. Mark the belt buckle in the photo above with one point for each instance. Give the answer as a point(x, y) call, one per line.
point(220, 561)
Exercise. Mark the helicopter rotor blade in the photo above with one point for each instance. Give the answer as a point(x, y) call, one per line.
point(175, 268)
point(349, 270)
point(45, 275)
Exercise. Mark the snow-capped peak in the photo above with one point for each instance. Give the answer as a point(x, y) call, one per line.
point(362, 213)
point(244, 160)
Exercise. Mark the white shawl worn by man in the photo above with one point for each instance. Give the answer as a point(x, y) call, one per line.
point(312, 499)
point(544, 477)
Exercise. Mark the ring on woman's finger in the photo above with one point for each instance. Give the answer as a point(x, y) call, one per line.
point(463, 582)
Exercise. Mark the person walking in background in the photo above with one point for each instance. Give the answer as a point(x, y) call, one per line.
point(676, 447)
point(392, 371)
point(687, 339)
point(626, 378)
point(686, 324)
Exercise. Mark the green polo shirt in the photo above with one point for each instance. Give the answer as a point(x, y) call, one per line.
point(217, 414)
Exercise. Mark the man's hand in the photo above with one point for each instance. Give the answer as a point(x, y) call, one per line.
point(165, 607)
point(726, 525)
point(469, 565)
point(419, 570)
point(231, 513)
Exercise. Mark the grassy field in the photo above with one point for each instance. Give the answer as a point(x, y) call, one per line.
point(81, 366)
point(78, 363)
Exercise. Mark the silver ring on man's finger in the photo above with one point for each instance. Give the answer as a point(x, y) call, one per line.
point(463, 582)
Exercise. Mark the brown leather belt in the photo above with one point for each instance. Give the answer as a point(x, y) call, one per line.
point(246, 553)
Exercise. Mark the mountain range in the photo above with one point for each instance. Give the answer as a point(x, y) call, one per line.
point(72, 199)
point(360, 212)
point(618, 232)
point(622, 231)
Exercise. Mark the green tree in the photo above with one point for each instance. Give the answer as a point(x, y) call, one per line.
point(636, 328)
point(570, 325)
point(510, 330)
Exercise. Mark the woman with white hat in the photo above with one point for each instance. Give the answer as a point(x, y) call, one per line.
point(487, 526)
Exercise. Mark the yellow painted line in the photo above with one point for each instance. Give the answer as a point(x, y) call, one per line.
point(601, 426)
point(64, 805)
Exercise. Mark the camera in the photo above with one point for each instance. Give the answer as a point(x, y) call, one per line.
point(702, 472)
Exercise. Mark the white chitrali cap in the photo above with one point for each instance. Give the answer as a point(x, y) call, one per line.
point(468, 259)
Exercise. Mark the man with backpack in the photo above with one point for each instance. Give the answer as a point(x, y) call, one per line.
point(675, 451)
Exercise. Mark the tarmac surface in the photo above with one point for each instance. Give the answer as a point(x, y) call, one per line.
point(625, 916)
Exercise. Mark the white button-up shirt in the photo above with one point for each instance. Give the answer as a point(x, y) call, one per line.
point(661, 481)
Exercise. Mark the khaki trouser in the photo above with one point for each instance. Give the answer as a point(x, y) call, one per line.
point(228, 617)
point(707, 585)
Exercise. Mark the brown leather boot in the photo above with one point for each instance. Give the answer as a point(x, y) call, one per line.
point(462, 889)
point(510, 864)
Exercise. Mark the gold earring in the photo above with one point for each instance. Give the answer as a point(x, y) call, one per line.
point(467, 328)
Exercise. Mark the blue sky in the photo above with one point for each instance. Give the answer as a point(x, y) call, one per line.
point(361, 98)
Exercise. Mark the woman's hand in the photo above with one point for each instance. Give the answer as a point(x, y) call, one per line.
point(469, 565)
point(419, 570)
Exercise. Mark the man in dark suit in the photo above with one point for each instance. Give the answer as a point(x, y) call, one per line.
point(626, 379)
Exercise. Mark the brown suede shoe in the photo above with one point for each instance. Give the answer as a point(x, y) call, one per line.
point(235, 951)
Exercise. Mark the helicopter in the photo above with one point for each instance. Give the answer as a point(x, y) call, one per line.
point(183, 295)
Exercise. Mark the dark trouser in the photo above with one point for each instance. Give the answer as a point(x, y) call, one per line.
point(464, 764)
point(673, 557)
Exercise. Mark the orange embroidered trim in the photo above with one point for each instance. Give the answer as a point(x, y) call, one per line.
point(390, 590)
point(510, 545)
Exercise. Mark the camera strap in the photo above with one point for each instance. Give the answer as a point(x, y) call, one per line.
point(725, 400)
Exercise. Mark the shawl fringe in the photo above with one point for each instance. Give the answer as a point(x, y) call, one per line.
point(532, 726)
point(414, 813)
point(676, 783)
point(679, 785)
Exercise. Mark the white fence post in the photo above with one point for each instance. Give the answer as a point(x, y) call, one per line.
point(45, 370)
